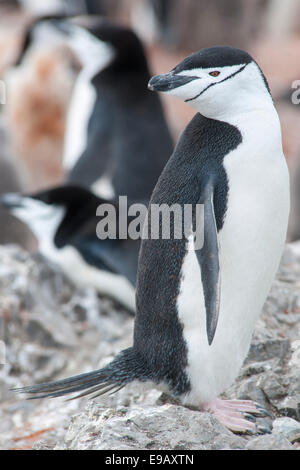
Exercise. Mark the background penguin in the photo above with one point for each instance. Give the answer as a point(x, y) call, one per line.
point(196, 309)
point(12, 230)
point(64, 221)
point(39, 88)
point(66, 7)
point(123, 140)
point(117, 139)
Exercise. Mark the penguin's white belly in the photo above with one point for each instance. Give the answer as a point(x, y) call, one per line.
point(81, 108)
point(251, 243)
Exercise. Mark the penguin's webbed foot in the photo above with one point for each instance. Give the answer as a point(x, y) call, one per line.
point(239, 415)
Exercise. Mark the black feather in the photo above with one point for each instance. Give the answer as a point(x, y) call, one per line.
point(125, 368)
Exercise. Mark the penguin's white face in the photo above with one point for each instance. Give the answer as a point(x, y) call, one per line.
point(94, 54)
point(42, 219)
point(45, 33)
point(214, 80)
point(202, 79)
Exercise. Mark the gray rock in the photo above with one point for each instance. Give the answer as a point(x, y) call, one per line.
point(148, 427)
point(248, 390)
point(271, 384)
point(42, 329)
point(53, 329)
point(287, 427)
point(42, 363)
point(294, 361)
point(269, 442)
point(290, 263)
point(255, 368)
point(289, 406)
point(269, 349)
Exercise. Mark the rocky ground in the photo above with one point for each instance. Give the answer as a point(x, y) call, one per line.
point(52, 329)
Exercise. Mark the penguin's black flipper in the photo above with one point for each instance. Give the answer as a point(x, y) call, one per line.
point(208, 258)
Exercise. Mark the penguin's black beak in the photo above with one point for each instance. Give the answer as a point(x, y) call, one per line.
point(169, 81)
point(11, 200)
point(62, 26)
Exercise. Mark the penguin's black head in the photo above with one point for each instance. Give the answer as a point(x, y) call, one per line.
point(42, 29)
point(213, 78)
point(58, 214)
point(102, 45)
point(129, 51)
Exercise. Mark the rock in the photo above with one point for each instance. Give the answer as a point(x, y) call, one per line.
point(46, 444)
point(42, 329)
point(248, 390)
point(53, 329)
point(290, 406)
point(271, 384)
point(43, 363)
point(289, 269)
point(269, 442)
point(269, 349)
point(255, 368)
point(148, 427)
point(287, 427)
point(295, 358)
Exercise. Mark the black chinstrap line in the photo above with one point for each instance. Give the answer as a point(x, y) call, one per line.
point(217, 83)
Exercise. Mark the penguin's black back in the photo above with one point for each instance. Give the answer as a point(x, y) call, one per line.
point(158, 335)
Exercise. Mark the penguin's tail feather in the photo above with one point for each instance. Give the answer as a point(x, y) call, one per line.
point(122, 370)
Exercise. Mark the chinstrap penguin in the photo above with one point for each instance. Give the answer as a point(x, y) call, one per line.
point(41, 31)
point(196, 310)
point(117, 140)
point(64, 221)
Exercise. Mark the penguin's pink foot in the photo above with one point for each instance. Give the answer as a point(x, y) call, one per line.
point(238, 415)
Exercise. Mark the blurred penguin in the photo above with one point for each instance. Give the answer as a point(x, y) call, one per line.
point(13, 231)
point(117, 143)
point(64, 221)
point(117, 139)
point(64, 7)
point(38, 95)
point(152, 19)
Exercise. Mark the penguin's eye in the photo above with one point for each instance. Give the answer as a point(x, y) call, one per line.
point(215, 73)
